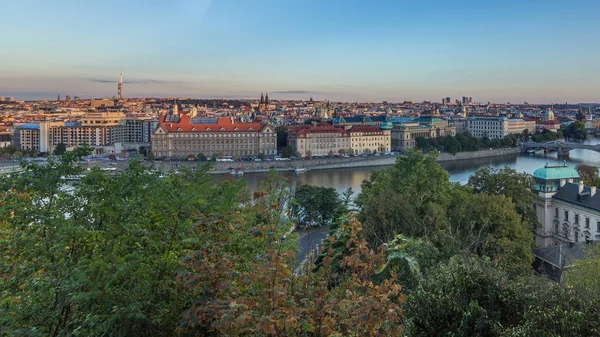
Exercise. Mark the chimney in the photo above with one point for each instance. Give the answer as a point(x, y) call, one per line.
point(592, 191)
point(563, 182)
point(581, 185)
point(570, 180)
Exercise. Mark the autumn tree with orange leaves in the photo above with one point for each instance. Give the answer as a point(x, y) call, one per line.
point(271, 300)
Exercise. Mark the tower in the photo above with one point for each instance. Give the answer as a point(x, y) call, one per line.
point(267, 99)
point(262, 99)
point(120, 86)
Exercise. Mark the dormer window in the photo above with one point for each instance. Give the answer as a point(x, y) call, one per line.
point(194, 129)
point(179, 129)
point(222, 129)
point(208, 129)
point(250, 129)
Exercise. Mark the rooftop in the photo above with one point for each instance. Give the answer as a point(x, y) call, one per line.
point(555, 173)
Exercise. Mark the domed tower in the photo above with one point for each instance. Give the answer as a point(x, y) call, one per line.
point(549, 115)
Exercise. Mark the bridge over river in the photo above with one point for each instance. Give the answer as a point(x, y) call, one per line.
point(561, 147)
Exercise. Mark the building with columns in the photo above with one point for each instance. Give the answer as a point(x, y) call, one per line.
point(568, 211)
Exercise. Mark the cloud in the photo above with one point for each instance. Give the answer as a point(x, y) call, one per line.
point(300, 92)
point(97, 80)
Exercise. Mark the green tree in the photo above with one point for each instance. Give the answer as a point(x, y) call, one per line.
point(409, 198)
point(60, 149)
point(470, 297)
point(17, 155)
point(282, 137)
point(101, 257)
point(288, 152)
point(575, 130)
point(453, 146)
point(316, 204)
point(508, 182)
point(585, 276)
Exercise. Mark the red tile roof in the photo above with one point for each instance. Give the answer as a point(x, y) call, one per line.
point(224, 124)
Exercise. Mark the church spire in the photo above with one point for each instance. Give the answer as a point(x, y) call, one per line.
point(262, 99)
point(267, 99)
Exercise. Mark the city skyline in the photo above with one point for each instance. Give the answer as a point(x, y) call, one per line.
point(504, 51)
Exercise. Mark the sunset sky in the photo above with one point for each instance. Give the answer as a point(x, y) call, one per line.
point(540, 51)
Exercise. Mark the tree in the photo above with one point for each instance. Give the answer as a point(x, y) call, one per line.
point(585, 276)
point(409, 198)
point(60, 149)
point(575, 130)
point(316, 204)
point(17, 155)
point(588, 174)
point(269, 300)
point(282, 137)
point(308, 153)
point(508, 182)
point(422, 143)
point(288, 152)
point(470, 297)
point(261, 156)
point(453, 146)
point(201, 157)
point(101, 257)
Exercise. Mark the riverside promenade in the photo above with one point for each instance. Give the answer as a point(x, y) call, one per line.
point(329, 163)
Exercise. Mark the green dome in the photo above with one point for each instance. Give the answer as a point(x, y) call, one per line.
point(556, 173)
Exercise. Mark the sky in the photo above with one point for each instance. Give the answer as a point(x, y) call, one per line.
point(539, 51)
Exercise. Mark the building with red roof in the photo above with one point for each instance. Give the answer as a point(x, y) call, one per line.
point(184, 135)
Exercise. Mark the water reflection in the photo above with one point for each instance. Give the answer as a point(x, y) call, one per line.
point(460, 171)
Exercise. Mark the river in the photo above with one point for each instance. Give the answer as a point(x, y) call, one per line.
point(459, 171)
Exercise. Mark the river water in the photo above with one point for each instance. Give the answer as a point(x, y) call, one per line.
point(460, 171)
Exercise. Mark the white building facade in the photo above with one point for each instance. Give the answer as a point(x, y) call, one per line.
point(568, 210)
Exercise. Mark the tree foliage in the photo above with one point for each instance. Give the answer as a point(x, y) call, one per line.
point(575, 130)
point(270, 300)
point(468, 296)
point(100, 257)
point(316, 205)
point(588, 174)
point(415, 198)
point(463, 142)
point(60, 149)
point(510, 183)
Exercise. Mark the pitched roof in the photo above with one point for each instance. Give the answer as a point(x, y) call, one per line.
point(570, 193)
point(187, 124)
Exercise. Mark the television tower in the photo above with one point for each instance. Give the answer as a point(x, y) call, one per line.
point(120, 86)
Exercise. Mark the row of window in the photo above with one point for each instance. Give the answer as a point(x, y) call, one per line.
point(576, 219)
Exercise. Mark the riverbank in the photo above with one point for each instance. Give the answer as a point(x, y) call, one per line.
point(352, 162)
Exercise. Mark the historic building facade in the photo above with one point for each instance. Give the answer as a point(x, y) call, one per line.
point(364, 139)
point(322, 140)
point(498, 127)
point(406, 130)
point(182, 135)
point(568, 210)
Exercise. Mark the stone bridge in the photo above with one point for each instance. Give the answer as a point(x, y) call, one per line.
point(562, 148)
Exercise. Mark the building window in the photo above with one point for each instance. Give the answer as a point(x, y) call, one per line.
point(576, 218)
point(566, 215)
point(598, 226)
point(587, 223)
